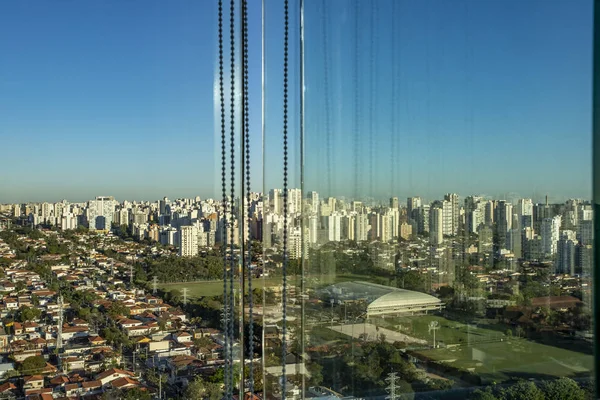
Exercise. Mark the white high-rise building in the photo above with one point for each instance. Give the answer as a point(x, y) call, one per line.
point(313, 198)
point(100, 213)
point(385, 225)
point(275, 199)
point(452, 198)
point(524, 207)
point(436, 222)
point(313, 229)
point(361, 230)
point(294, 201)
point(188, 241)
point(447, 215)
point(295, 249)
point(68, 221)
point(348, 226)
point(550, 234)
point(334, 227)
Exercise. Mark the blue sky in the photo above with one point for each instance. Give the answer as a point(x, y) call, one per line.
point(116, 98)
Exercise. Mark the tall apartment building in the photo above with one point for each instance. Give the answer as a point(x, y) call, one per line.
point(452, 198)
point(361, 230)
point(565, 253)
point(423, 219)
point(100, 213)
point(436, 221)
point(188, 241)
point(412, 203)
point(334, 227)
point(550, 231)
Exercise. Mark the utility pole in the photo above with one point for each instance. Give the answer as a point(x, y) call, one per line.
point(154, 284)
point(159, 385)
point(391, 389)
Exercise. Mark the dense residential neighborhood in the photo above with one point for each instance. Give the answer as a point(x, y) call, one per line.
point(74, 325)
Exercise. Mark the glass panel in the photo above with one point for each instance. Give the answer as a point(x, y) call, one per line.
point(448, 237)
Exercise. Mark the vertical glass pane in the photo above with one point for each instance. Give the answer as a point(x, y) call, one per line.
point(447, 213)
point(281, 344)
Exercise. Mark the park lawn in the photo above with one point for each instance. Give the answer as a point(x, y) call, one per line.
point(215, 288)
point(448, 332)
point(498, 361)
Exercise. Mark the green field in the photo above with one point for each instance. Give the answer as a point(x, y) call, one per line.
point(497, 361)
point(448, 331)
point(215, 288)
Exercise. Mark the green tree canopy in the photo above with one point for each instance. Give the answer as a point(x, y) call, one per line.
point(32, 365)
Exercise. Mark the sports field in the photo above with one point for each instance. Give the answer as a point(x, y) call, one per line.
point(497, 361)
point(447, 331)
point(215, 288)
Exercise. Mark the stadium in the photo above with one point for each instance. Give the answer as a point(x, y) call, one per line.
point(383, 300)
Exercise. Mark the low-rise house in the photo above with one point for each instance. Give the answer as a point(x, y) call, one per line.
point(33, 382)
point(112, 374)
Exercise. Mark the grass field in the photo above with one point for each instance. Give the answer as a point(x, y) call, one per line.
point(448, 331)
point(498, 361)
point(215, 288)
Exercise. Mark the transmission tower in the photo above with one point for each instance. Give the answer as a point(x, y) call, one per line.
point(154, 284)
point(185, 290)
point(392, 387)
point(131, 274)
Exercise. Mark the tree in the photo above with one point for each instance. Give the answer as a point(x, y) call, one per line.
point(118, 308)
point(20, 286)
point(29, 314)
point(522, 390)
point(198, 389)
point(562, 389)
point(32, 365)
point(135, 394)
point(485, 394)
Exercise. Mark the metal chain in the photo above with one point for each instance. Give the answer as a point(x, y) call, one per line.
point(248, 195)
point(229, 387)
point(285, 196)
point(224, 190)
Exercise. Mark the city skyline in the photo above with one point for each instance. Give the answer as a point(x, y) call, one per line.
point(129, 112)
point(510, 197)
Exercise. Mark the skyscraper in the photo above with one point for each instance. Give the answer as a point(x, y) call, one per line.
point(100, 213)
point(565, 253)
point(412, 203)
point(188, 238)
point(436, 233)
point(550, 234)
point(452, 198)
